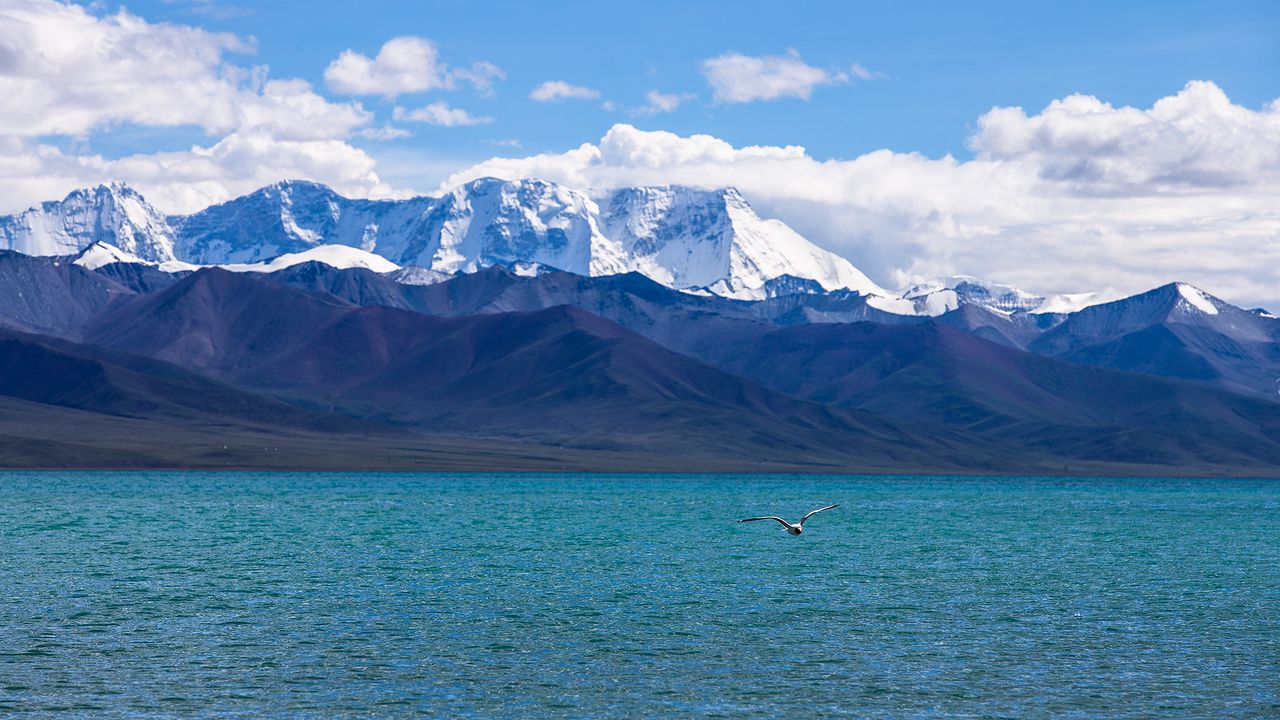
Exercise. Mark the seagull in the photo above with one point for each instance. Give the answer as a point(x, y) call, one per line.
point(796, 528)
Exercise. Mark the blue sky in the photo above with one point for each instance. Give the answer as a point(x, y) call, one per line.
point(944, 63)
point(1058, 147)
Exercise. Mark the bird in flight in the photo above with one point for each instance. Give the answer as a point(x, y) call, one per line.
point(793, 528)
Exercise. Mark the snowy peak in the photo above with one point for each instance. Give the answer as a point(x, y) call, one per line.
point(1195, 299)
point(685, 237)
point(498, 222)
point(101, 254)
point(287, 217)
point(112, 213)
point(1175, 304)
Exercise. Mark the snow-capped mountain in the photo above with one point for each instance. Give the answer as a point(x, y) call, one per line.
point(681, 237)
point(684, 237)
point(293, 217)
point(1176, 330)
point(113, 213)
point(1173, 304)
point(494, 222)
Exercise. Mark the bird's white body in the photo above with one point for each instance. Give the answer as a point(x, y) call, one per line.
point(792, 528)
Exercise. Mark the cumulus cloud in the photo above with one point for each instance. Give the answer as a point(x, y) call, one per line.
point(553, 90)
point(403, 65)
point(738, 78)
point(1078, 196)
point(1196, 138)
point(67, 73)
point(439, 113)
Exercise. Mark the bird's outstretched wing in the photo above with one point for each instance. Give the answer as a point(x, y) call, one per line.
point(815, 512)
point(769, 517)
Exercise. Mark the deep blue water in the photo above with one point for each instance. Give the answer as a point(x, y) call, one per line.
point(303, 595)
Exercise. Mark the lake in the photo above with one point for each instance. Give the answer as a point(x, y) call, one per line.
point(409, 595)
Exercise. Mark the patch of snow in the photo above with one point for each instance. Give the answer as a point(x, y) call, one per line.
point(525, 269)
point(100, 254)
point(173, 266)
point(341, 257)
point(937, 303)
point(1197, 299)
point(895, 305)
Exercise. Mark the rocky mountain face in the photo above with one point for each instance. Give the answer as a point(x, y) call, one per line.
point(114, 214)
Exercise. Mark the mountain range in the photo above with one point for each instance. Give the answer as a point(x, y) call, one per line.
point(528, 325)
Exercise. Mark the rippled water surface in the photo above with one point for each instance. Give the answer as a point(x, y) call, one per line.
point(251, 595)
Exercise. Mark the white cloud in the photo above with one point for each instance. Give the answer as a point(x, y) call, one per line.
point(1197, 138)
point(552, 90)
point(68, 73)
point(738, 78)
point(64, 71)
point(439, 113)
point(1079, 196)
point(657, 102)
point(404, 65)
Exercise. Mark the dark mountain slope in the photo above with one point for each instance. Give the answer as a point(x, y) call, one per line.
point(1174, 331)
point(933, 374)
point(215, 321)
point(1015, 331)
point(49, 295)
point(51, 371)
point(140, 278)
point(556, 376)
point(683, 322)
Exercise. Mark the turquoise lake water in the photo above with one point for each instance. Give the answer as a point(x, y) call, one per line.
point(304, 595)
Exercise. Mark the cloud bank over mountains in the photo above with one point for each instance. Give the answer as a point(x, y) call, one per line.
point(1079, 194)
